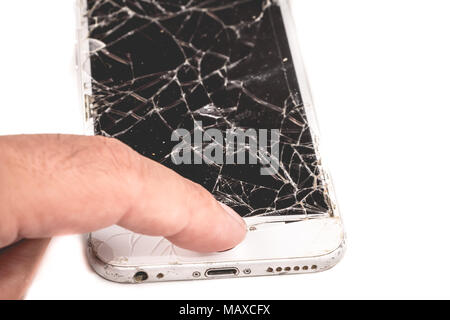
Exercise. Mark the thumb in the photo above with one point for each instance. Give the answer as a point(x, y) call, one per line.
point(18, 264)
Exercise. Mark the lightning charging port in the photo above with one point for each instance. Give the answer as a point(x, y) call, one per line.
point(222, 272)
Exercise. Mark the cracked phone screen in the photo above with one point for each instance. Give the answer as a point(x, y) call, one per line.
point(162, 65)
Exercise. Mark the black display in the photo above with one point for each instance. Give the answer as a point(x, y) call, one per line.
point(163, 65)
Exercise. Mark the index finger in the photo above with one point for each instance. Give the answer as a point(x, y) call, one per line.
point(55, 184)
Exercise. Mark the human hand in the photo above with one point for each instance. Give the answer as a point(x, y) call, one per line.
point(54, 185)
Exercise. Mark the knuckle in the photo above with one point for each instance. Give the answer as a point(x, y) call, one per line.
point(201, 196)
point(115, 153)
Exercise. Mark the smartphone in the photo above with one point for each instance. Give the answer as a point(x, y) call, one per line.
point(215, 90)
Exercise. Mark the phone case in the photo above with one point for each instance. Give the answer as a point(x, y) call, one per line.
point(236, 64)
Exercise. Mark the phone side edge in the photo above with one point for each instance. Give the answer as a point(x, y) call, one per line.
point(197, 271)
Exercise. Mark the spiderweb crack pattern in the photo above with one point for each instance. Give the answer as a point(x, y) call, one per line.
point(160, 65)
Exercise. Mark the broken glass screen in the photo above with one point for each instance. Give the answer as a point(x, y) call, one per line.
point(209, 89)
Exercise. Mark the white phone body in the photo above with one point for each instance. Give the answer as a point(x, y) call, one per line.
point(272, 246)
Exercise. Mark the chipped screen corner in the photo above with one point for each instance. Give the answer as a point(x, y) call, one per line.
point(210, 89)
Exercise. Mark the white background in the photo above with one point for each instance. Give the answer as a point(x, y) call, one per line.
point(380, 76)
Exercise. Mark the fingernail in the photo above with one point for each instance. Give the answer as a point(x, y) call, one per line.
point(234, 215)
